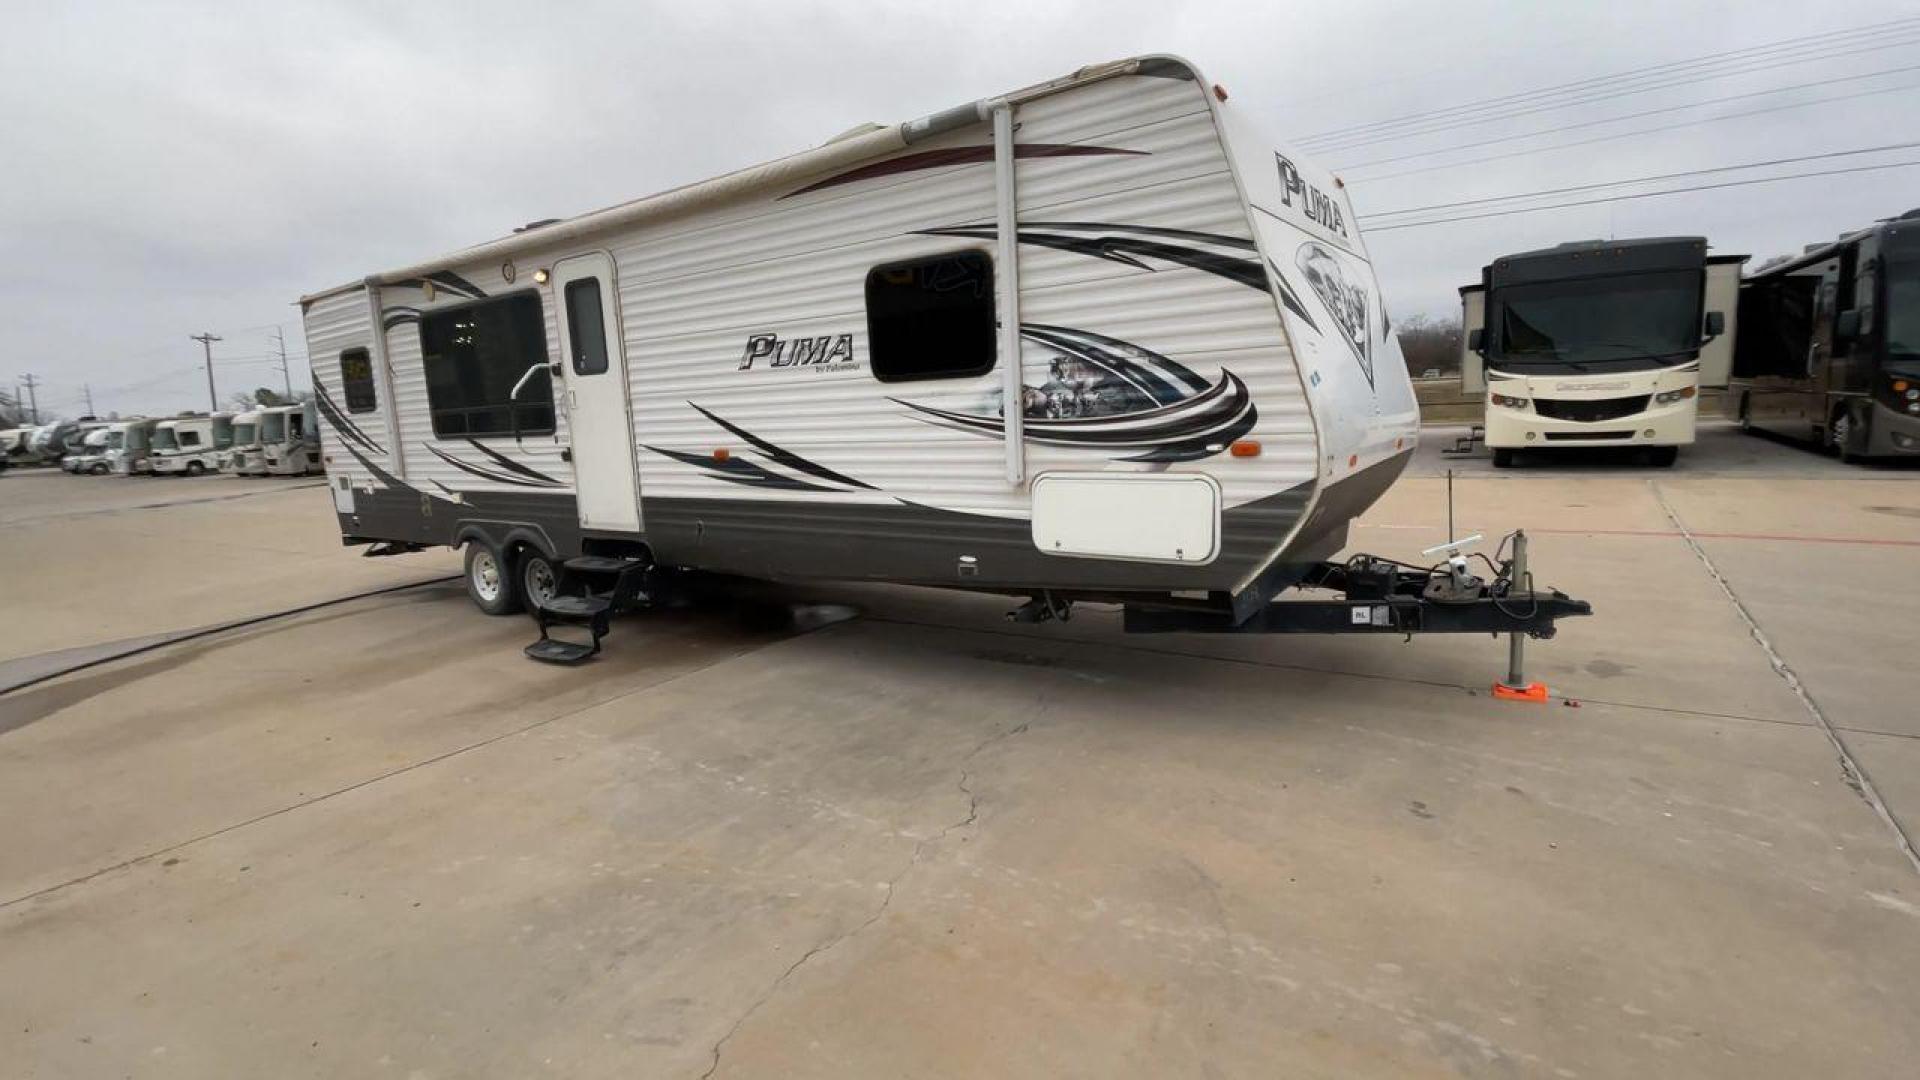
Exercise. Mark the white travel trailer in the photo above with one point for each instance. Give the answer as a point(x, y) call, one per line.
point(128, 444)
point(190, 445)
point(1097, 339)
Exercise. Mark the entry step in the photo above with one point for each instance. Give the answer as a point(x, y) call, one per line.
point(555, 651)
point(576, 607)
point(600, 564)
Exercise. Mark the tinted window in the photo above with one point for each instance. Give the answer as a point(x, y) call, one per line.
point(931, 318)
point(473, 356)
point(188, 438)
point(356, 380)
point(586, 327)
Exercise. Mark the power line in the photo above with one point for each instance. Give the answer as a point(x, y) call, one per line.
point(1631, 134)
point(1807, 40)
point(1637, 180)
point(1351, 143)
point(1643, 195)
point(1638, 115)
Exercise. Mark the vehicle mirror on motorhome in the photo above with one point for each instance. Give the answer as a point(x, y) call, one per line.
point(1847, 324)
point(1477, 340)
point(1716, 323)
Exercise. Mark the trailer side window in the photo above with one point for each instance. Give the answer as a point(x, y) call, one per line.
point(586, 327)
point(189, 437)
point(931, 318)
point(356, 380)
point(474, 355)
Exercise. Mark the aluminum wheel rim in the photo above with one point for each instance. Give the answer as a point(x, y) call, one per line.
point(1841, 429)
point(486, 576)
point(540, 583)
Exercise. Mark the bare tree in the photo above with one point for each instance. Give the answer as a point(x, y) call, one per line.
point(1430, 344)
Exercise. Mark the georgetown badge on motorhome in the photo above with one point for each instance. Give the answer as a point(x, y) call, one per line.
point(1082, 341)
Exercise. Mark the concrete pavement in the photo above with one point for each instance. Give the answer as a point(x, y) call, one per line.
point(373, 840)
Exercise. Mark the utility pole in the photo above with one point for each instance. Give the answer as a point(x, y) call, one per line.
point(31, 396)
point(285, 379)
point(206, 346)
point(87, 388)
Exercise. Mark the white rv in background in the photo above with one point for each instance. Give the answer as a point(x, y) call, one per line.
point(91, 457)
point(128, 444)
point(1599, 343)
point(277, 440)
point(191, 445)
point(1095, 339)
point(244, 457)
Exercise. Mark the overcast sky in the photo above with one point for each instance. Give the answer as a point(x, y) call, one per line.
point(180, 168)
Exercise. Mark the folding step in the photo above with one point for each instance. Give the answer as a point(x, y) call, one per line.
point(554, 651)
point(576, 607)
point(600, 564)
point(595, 613)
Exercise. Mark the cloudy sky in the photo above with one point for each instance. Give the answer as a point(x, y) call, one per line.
point(181, 168)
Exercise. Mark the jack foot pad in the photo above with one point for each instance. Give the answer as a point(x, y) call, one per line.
point(1535, 692)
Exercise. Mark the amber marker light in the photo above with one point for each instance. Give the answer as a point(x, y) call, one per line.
point(1245, 448)
point(722, 454)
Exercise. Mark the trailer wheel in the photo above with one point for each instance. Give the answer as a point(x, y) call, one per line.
point(539, 580)
point(1503, 457)
point(194, 468)
point(489, 584)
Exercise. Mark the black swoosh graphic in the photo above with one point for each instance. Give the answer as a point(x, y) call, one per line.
point(498, 478)
point(739, 471)
point(785, 457)
point(514, 466)
point(347, 428)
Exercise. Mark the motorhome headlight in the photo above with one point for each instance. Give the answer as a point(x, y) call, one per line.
point(1668, 397)
point(1508, 402)
point(1913, 394)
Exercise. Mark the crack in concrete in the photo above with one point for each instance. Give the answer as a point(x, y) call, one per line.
point(913, 860)
point(1851, 770)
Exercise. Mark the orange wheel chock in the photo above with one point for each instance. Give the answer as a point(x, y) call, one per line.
point(1536, 692)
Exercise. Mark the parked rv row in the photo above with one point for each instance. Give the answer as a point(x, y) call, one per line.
point(281, 440)
point(1609, 343)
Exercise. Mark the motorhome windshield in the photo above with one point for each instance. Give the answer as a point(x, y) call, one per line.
point(163, 439)
point(244, 433)
point(1600, 324)
point(1903, 309)
point(273, 428)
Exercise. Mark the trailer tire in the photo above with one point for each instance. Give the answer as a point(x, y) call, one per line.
point(194, 468)
point(538, 577)
point(1503, 457)
point(489, 584)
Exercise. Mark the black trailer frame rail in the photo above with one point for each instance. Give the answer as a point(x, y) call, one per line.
point(1378, 596)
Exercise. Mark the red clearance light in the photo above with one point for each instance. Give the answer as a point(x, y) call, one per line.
point(722, 454)
point(1245, 448)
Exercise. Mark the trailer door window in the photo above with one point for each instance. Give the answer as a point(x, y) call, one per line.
point(586, 327)
point(356, 380)
point(473, 356)
point(931, 318)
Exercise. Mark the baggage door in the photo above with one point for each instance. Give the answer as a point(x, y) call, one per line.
point(587, 304)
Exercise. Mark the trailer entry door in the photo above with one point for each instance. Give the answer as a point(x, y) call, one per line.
point(605, 480)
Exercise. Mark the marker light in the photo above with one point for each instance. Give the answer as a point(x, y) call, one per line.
point(1245, 448)
point(722, 454)
point(540, 277)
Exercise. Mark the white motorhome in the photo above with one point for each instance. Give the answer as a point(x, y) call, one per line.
point(91, 458)
point(128, 444)
point(1096, 339)
point(1599, 343)
point(289, 440)
point(245, 455)
point(190, 445)
point(16, 447)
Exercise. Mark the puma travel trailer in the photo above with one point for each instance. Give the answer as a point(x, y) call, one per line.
point(1093, 340)
point(1599, 343)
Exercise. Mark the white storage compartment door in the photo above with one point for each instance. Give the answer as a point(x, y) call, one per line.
point(1149, 517)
